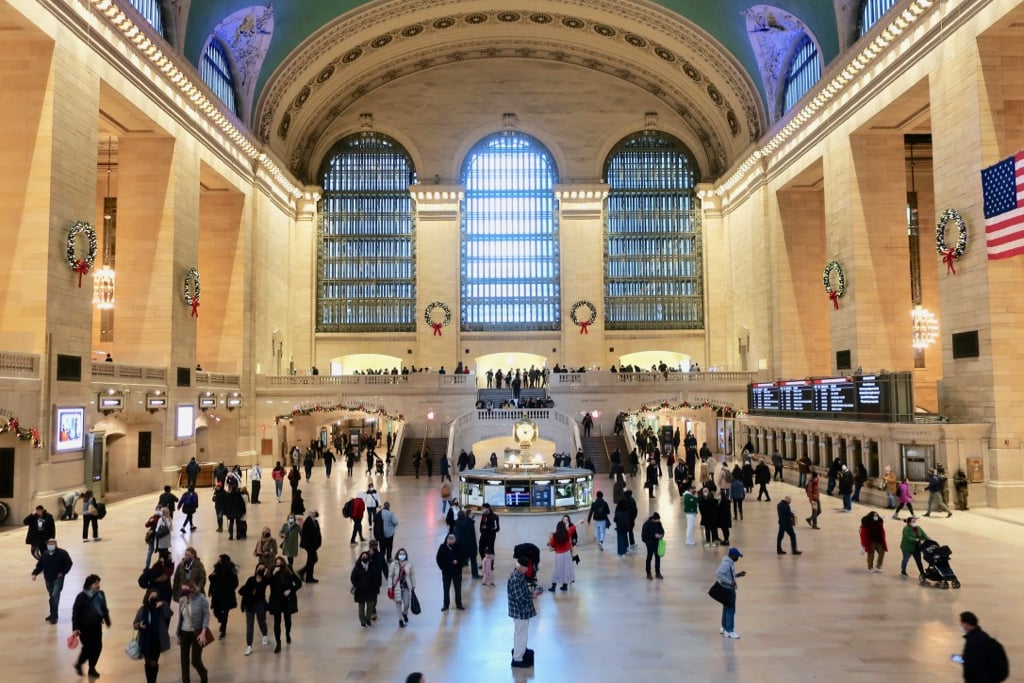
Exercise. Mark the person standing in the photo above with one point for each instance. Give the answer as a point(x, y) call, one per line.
point(266, 548)
point(87, 618)
point(651, 534)
point(762, 475)
point(189, 504)
point(193, 631)
point(450, 560)
point(846, 488)
point(41, 529)
point(910, 545)
point(803, 467)
point(307, 463)
point(737, 492)
point(786, 518)
point(905, 497)
point(417, 460)
point(223, 584)
point(625, 519)
point(445, 474)
point(278, 475)
point(160, 524)
point(234, 509)
point(283, 600)
point(356, 515)
point(402, 582)
point(777, 463)
point(935, 487)
point(889, 486)
point(984, 659)
point(254, 604)
point(960, 485)
point(294, 478)
point(726, 576)
point(428, 461)
point(54, 564)
point(465, 537)
point(651, 477)
point(814, 498)
point(872, 540)
point(860, 478)
point(389, 521)
point(153, 621)
point(561, 542)
point(310, 540)
point(521, 609)
point(289, 536)
point(372, 499)
point(690, 505)
point(90, 517)
point(709, 517)
point(724, 517)
point(255, 482)
point(191, 473)
point(600, 514)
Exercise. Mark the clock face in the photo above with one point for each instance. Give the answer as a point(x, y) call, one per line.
point(525, 431)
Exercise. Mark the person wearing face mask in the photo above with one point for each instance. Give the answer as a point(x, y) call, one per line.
point(450, 560)
point(87, 618)
point(223, 582)
point(872, 540)
point(310, 540)
point(153, 621)
point(254, 605)
point(489, 528)
point(709, 517)
point(189, 504)
point(910, 545)
point(289, 536)
point(402, 582)
point(364, 588)
point(189, 570)
point(266, 548)
point(159, 576)
point(160, 524)
point(41, 528)
point(193, 631)
point(54, 564)
point(283, 600)
point(452, 516)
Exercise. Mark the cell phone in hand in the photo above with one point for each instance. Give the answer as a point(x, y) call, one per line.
point(957, 659)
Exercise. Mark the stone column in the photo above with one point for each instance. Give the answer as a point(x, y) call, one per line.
point(437, 274)
point(581, 225)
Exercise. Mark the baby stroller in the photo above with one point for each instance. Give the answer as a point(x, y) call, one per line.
point(938, 571)
point(380, 467)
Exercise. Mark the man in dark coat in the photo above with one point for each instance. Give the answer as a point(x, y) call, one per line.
point(465, 538)
point(981, 661)
point(41, 528)
point(310, 540)
point(762, 475)
point(625, 519)
point(450, 560)
point(233, 505)
point(786, 518)
point(54, 564)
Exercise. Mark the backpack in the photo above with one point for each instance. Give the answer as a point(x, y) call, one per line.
point(101, 510)
point(998, 664)
point(346, 510)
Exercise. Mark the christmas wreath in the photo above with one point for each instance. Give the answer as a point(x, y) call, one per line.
point(428, 316)
point(826, 277)
point(191, 291)
point(950, 254)
point(583, 324)
point(81, 265)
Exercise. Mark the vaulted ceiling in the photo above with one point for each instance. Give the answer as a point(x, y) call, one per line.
point(715, 63)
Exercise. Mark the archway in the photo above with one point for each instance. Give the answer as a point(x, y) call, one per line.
point(645, 360)
point(365, 363)
point(506, 361)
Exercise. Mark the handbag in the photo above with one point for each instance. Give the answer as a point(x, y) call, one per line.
point(414, 602)
point(661, 547)
point(150, 535)
point(132, 649)
point(391, 592)
point(73, 641)
point(209, 636)
point(720, 593)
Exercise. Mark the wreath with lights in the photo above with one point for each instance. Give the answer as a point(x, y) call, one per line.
point(81, 265)
point(191, 291)
point(951, 254)
point(428, 316)
point(826, 278)
point(584, 324)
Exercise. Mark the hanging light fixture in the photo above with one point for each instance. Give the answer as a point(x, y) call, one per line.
point(925, 327)
point(104, 278)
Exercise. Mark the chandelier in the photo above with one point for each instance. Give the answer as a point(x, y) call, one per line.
point(925, 327)
point(103, 279)
point(103, 287)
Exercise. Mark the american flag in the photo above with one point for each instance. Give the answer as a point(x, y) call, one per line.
point(1003, 188)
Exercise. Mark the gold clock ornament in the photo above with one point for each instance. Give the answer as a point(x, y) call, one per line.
point(525, 431)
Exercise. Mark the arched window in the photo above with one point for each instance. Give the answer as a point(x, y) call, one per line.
point(653, 276)
point(870, 12)
point(510, 277)
point(215, 71)
point(151, 12)
point(366, 275)
point(804, 71)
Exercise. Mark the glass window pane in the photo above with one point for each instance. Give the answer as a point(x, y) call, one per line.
point(215, 70)
point(804, 72)
point(870, 12)
point(150, 10)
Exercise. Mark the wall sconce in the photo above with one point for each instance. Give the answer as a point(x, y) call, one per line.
point(156, 401)
point(110, 402)
point(234, 401)
point(206, 401)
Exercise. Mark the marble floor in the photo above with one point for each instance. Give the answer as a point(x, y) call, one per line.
point(817, 617)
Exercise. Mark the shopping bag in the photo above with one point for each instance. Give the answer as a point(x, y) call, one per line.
point(414, 603)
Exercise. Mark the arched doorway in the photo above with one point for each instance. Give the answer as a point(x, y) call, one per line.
point(645, 360)
point(365, 363)
point(506, 361)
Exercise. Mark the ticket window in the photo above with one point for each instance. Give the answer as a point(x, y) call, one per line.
point(917, 460)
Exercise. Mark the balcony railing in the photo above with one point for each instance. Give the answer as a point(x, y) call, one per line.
point(132, 374)
point(18, 364)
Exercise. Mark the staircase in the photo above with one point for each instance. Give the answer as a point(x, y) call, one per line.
point(437, 446)
point(599, 450)
point(496, 396)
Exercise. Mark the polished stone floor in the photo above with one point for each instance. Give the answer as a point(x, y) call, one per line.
point(817, 617)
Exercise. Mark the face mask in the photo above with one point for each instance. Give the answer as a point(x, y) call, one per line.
point(51, 547)
point(876, 518)
point(402, 557)
point(261, 572)
point(913, 525)
point(266, 534)
point(291, 520)
point(186, 591)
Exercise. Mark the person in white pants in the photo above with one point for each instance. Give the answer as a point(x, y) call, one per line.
point(521, 609)
point(690, 501)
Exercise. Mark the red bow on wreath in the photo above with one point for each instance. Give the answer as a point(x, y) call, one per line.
point(948, 256)
point(437, 328)
point(834, 296)
point(82, 268)
point(583, 327)
point(195, 307)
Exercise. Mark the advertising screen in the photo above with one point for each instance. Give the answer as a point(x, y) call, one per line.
point(69, 429)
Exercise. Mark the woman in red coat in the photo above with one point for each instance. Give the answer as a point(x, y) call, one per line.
point(872, 540)
point(561, 543)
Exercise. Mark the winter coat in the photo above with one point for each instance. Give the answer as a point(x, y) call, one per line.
point(290, 539)
point(708, 506)
point(283, 579)
point(223, 584)
point(363, 582)
point(724, 518)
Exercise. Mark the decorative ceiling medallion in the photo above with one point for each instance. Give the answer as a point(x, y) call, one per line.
point(381, 41)
point(301, 98)
point(324, 74)
point(665, 54)
point(606, 31)
point(715, 96)
point(476, 19)
point(508, 17)
point(444, 22)
point(690, 71)
point(572, 22)
point(352, 55)
point(635, 40)
point(734, 123)
point(413, 30)
point(541, 18)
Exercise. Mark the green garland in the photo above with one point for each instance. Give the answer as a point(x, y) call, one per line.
point(583, 303)
point(317, 409)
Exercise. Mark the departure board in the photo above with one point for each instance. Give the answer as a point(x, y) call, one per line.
point(857, 397)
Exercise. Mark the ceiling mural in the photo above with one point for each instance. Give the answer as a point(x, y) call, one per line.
point(247, 34)
point(773, 34)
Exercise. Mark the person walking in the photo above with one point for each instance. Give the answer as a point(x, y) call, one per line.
point(402, 584)
point(860, 478)
point(54, 564)
point(724, 517)
point(905, 497)
point(193, 631)
point(153, 621)
point(160, 524)
point(445, 468)
point(189, 505)
point(600, 513)
point(372, 500)
point(283, 600)
point(41, 529)
point(833, 475)
point(90, 517)
point(307, 463)
point(935, 487)
point(465, 537)
point(310, 540)
point(708, 505)
point(189, 571)
point(278, 475)
point(254, 605)
point(428, 461)
point(88, 616)
point(762, 476)
point(960, 486)
point(846, 488)
point(777, 463)
point(872, 540)
point(651, 477)
point(984, 659)
point(651, 533)
point(726, 576)
point(803, 468)
point(364, 588)
point(786, 519)
point(328, 457)
point(521, 609)
point(625, 519)
point(289, 536)
point(223, 584)
point(255, 483)
point(450, 560)
point(266, 548)
point(814, 498)
point(294, 478)
point(389, 522)
point(737, 492)
point(561, 542)
point(490, 525)
point(234, 509)
point(356, 515)
point(690, 506)
point(910, 545)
